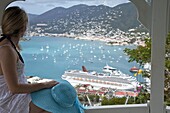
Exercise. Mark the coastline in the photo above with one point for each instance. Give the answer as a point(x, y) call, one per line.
point(120, 40)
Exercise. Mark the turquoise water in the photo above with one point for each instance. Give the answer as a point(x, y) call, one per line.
point(49, 57)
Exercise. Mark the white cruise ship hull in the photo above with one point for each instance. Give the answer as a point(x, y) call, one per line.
point(76, 77)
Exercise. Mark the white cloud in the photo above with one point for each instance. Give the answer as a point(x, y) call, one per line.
point(40, 6)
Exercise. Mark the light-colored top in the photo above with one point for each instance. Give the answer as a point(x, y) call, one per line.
point(14, 103)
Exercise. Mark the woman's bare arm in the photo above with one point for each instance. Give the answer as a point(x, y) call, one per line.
point(8, 61)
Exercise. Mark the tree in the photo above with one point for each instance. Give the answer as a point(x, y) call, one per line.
point(167, 71)
point(142, 55)
point(167, 53)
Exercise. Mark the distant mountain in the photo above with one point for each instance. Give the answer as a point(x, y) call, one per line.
point(31, 16)
point(83, 18)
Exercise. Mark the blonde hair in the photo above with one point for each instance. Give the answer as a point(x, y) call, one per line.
point(14, 21)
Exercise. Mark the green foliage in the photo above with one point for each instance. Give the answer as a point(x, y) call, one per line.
point(142, 55)
point(81, 98)
point(85, 98)
point(97, 98)
point(117, 101)
point(143, 97)
point(92, 98)
point(167, 52)
point(113, 101)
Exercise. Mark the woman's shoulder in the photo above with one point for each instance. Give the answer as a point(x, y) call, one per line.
point(4, 45)
point(5, 48)
point(6, 51)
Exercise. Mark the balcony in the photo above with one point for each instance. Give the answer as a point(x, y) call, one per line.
point(156, 18)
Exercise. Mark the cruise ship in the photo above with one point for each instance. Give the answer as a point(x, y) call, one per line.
point(119, 81)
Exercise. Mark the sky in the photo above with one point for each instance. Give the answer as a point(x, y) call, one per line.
point(41, 6)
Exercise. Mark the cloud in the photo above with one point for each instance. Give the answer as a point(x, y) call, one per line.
point(40, 6)
point(66, 3)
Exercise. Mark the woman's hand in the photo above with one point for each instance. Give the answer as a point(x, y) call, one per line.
point(50, 84)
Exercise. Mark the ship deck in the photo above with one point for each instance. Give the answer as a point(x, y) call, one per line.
point(89, 76)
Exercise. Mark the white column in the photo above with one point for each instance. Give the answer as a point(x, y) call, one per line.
point(158, 34)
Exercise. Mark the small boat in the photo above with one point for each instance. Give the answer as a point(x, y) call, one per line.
point(134, 69)
point(109, 69)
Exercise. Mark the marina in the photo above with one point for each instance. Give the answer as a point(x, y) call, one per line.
point(55, 58)
point(61, 54)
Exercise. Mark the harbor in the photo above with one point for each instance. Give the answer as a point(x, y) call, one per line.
point(55, 58)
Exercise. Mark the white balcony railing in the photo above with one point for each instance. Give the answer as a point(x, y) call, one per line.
point(168, 109)
point(133, 108)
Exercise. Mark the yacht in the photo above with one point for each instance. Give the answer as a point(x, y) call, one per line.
point(109, 69)
point(113, 72)
point(134, 69)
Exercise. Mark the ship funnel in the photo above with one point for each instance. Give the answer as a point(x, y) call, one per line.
point(84, 69)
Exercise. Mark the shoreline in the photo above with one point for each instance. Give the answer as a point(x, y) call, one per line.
point(117, 40)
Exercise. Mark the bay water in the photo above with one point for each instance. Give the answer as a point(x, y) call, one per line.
point(49, 57)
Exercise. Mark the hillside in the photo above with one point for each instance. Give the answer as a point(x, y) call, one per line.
point(82, 18)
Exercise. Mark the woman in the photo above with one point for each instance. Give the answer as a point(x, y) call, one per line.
point(14, 90)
